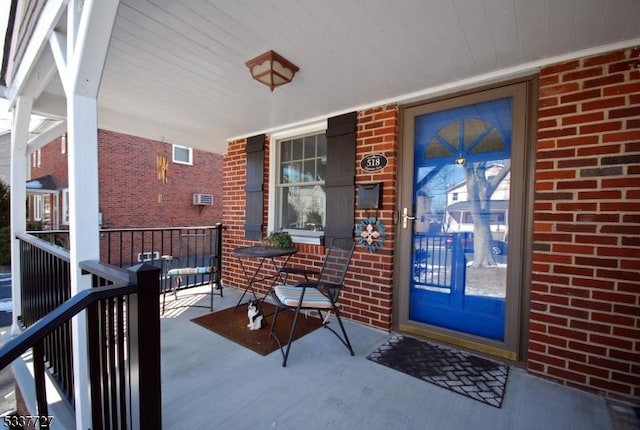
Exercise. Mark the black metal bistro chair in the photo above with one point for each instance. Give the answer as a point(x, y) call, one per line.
point(321, 295)
point(199, 260)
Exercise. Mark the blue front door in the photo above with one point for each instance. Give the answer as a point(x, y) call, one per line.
point(461, 194)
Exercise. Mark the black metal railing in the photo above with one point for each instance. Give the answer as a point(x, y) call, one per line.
point(123, 335)
point(190, 246)
point(45, 284)
point(124, 350)
point(436, 257)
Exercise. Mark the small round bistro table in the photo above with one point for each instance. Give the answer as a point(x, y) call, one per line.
point(266, 255)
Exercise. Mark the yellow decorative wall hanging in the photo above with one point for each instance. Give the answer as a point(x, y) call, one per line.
point(162, 166)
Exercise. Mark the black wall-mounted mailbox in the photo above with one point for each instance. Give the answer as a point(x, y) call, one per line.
point(369, 195)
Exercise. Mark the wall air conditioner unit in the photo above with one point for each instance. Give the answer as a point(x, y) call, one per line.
point(203, 199)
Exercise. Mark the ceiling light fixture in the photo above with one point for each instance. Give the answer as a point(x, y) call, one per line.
point(460, 161)
point(272, 69)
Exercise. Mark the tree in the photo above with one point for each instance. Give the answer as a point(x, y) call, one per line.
point(5, 205)
point(5, 229)
point(480, 189)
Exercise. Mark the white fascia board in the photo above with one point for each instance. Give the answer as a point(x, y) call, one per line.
point(47, 21)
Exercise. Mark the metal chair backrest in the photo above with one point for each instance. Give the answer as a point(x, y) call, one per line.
point(196, 248)
point(336, 263)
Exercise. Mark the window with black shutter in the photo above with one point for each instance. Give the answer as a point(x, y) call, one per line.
point(313, 173)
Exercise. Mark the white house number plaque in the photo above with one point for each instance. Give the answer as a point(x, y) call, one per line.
point(373, 162)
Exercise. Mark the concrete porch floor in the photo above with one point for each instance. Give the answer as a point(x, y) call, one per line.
point(210, 382)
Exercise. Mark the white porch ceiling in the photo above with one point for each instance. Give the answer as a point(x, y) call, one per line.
point(175, 69)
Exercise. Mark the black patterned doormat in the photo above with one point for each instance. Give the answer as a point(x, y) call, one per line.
point(475, 377)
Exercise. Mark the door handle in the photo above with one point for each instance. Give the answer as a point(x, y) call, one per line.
point(406, 217)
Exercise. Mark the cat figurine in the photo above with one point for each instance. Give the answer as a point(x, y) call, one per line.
point(255, 316)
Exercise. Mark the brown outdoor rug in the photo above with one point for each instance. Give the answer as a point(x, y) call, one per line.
point(232, 324)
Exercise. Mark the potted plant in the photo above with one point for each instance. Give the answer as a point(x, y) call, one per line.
point(278, 239)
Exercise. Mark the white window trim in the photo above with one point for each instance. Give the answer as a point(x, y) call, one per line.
point(311, 128)
point(36, 158)
point(37, 207)
point(173, 154)
point(65, 207)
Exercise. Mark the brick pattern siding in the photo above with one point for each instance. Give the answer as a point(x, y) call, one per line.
point(585, 300)
point(369, 284)
point(131, 195)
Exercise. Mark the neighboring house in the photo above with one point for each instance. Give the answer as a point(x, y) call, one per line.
point(459, 192)
point(5, 156)
point(459, 213)
point(143, 183)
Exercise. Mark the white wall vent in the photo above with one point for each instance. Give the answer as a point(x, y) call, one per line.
point(203, 199)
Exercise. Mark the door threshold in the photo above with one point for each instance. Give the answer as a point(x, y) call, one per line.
point(469, 344)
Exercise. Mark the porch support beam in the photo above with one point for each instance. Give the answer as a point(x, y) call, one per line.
point(84, 242)
point(47, 136)
point(49, 18)
point(19, 163)
point(58, 44)
point(43, 71)
point(88, 46)
point(89, 26)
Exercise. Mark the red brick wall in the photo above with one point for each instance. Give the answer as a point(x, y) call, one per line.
point(54, 163)
point(131, 194)
point(371, 283)
point(585, 303)
point(368, 293)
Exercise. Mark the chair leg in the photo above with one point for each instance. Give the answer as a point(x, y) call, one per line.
point(211, 304)
point(325, 323)
point(293, 329)
point(273, 324)
point(219, 284)
point(176, 286)
point(272, 333)
point(345, 340)
point(164, 291)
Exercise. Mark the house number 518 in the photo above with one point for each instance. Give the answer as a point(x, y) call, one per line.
point(373, 162)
